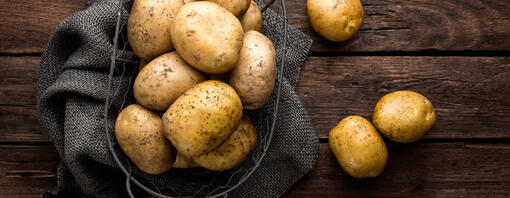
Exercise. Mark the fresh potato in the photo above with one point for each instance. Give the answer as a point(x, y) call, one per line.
point(336, 20)
point(358, 147)
point(163, 80)
point(233, 151)
point(149, 26)
point(202, 118)
point(252, 19)
point(236, 7)
point(207, 36)
point(404, 116)
point(139, 133)
point(254, 76)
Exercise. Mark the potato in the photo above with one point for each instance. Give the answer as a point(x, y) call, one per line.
point(236, 7)
point(254, 76)
point(163, 80)
point(336, 20)
point(358, 147)
point(233, 151)
point(139, 133)
point(207, 36)
point(202, 118)
point(252, 19)
point(149, 26)
point(404, 116)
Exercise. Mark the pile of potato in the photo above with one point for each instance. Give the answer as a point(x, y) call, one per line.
point(183, 117)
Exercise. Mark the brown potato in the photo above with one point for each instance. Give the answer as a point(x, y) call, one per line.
point(236, 7)
point(202, 118)
point(163, 80)
point(358, 147)
point(207, 36)
point(149, 26)
point(404, 116)
point(336, 20)
point(254, 76)
point(139, 133)
point(252, 19)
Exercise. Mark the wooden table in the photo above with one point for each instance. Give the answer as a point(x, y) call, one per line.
point(455, 52)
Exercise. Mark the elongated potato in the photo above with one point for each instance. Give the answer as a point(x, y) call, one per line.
point(139, 133)
point(149, 26)
point(207, 36)
point(202, 118)
point(236, 7)
point(163, 80)
point(254, 76)
point(252, 19)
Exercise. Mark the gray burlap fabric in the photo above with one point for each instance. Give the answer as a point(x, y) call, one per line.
point(71, 94)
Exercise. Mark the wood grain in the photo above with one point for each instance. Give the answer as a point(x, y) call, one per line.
point(390, 25)
point(417, 169)
point(18, 79)
point(20, 124)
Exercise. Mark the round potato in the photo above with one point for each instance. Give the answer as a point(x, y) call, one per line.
point(358, 147)
point(236, 7)
point(404, 116)
point(207, 36)
point(163, 80)
point(252, 19)
point(149, 26)
point(336, 20)
point(254, 76)
point(202, 118)
point(139, 133)
point(233, 151)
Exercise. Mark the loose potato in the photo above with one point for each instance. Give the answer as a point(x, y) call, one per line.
point(233, 151)
point(163, 80)
point(207, 36)
point(336, 20)
point(202, 118)
point(252, 19)
point(254, 76)
point(139, 133)
point(404, 116)
point(149, 26)
point(236, 7)
point(358, 147)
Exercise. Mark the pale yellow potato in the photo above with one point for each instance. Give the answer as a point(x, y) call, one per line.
point(252, 19)
point(163, 80)
point(404, 116)
point(236, 7)
point(233, 151)
point(149, 26)
point(207, 36)
point(254, 76)
point(183, 162)
point(202, 118)
point(139, 133)
point(336, 20)
point(358, 147)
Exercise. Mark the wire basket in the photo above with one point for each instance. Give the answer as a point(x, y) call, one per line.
point(196, 182)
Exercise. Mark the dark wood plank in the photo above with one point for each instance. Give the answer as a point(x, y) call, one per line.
point(417, 170)
point(470, 94)
point(390, 25)
point(18, 77)
point(20, 124)
point(27, 25)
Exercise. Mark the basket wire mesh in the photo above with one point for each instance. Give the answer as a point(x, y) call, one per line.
point(209, 183)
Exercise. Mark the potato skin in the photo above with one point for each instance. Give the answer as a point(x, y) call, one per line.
point(358, 147)
point(163, 80)
point(236, 7)
point(139, 133)
point(207, 36)
point(404, 116)
point(254, 76)
point(233, 151)
point(336, 20)
point(252, 19)
point(202, 118)
point(149, 26)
